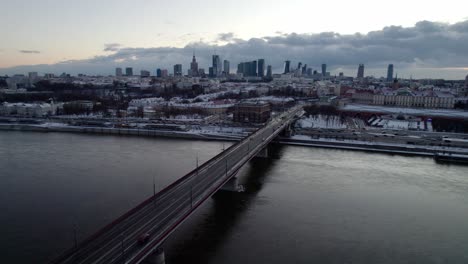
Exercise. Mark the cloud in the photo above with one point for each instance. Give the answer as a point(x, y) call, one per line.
point(422, 46)
point(29, 51)
point(112, 47)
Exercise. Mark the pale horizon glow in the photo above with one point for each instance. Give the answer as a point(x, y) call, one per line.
point(53, 31)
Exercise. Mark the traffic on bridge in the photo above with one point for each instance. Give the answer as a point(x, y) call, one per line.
point(137, 234)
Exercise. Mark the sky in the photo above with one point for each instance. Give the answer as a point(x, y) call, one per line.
point(94, 37)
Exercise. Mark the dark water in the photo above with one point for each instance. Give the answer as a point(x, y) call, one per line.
point(304, 205)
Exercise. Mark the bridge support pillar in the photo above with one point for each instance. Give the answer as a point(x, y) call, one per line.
point(232, 186)
point(157, 257)
point(263, 153)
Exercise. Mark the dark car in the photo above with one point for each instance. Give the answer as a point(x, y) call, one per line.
point(144, 238)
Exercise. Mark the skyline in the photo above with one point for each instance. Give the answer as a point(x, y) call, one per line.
point(95, 38)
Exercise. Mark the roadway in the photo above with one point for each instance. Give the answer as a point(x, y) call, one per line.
point(162, 213)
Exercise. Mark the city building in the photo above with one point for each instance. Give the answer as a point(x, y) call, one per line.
point(118, 72)
point(304, 69)
point(299, 66)
point(217, 70)
point(390, 73)
point(324, 69)
point(194, 67)
point(360, 73)
point(159, 73)
point(261, 68)
point(129, 71)
point(252, 112)
point(287, 65)
point(178, 70)
point(226, 65)
point(269, 71)
point(144, 73)
point(164, 73)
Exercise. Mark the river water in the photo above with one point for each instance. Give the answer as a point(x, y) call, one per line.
point(302, 205)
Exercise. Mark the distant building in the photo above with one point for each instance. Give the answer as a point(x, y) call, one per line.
point(226, 65)
point(247, 69)
point(217, 70)
point(201, 72)
point(324, 69)
point(252, 112)
point(261, 68)
point(304, 69)
point(144, 73)
point(194, 67)
point(129, 71)
point(164, 73)
point(269, 71)
point(309, 72)
point(33, 75)
point(287, 65)
point(299, 66)
point(360, 73)
point(211, 72)
point(390, 73)
point(159, 73)
point(178, 70)
point(118, 72)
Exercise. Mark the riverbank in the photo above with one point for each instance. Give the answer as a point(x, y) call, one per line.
point(121, 131)
point(442, 154)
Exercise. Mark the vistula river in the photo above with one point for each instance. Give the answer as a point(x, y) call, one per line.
point(302, 205)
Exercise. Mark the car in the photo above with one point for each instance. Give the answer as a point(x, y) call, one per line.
point(144, 238)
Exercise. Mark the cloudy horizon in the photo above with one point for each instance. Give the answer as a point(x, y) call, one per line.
point(95, 38)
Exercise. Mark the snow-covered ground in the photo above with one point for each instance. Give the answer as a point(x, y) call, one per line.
point(410, 111)
point(321, 121)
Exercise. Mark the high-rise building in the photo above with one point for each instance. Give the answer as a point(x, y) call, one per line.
point(164, 73)
point(309, 71)
point(129, 71)
point(217, 70)
point(158, 73)
point(299, 66)
point(201, 72)
point(287, 64)
point(360, 73)
point(144, 73)
point(390, 73)
point(304, 69)
point(194, 66)
point(254, 69)
point(324, 69)
point(118, 72)
point(178, 70)
point(269, 72)
point(261, 68)
point(226, 67)
point(211, 72)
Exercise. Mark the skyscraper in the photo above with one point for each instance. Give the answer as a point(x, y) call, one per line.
point(261, 67)
point(324, 69)
point(254, 69)
point(226, 67)
point(158, 73)
point(287, 64)
point(390, 73)
point(129, 71)
point(299, 66)
point(118, 72)
point(178, 70)
point(269, 72)
point(360, 73)
point(216, 66)
point(194, 66)
point(304, 69)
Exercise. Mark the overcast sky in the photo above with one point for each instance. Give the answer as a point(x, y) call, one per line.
point(94, 37)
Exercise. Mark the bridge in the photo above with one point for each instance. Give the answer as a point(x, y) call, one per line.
point(140, 232)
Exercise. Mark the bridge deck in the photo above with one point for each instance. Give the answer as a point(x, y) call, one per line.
point(162, 213)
